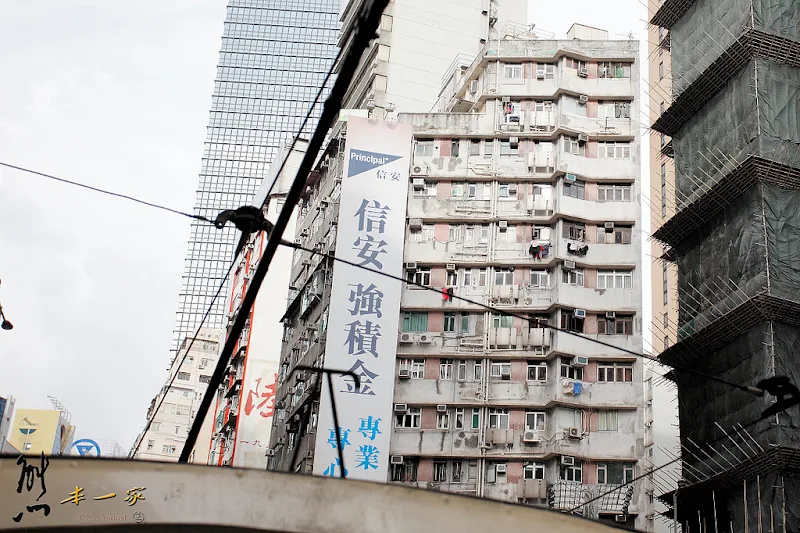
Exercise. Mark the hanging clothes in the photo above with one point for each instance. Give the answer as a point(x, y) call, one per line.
point(577, 387)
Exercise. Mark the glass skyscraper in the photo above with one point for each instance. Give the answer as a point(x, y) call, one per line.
point(274, 57)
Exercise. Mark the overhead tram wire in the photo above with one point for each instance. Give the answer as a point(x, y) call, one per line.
point(363, 32)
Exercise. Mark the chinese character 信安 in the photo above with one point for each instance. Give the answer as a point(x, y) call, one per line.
point(371, 216)
point(369, 249)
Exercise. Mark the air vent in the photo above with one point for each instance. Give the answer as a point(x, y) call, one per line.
point(396, 459)
point(567, 460)
point(441, 408)
point(400, 407)
point(569, 265)
point(580, 313)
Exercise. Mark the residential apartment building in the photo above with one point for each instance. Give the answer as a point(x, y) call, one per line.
point(6, 412)
point(166, 435)
point(523, 195)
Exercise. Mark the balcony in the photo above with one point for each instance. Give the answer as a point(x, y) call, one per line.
point(522, 393)
point(565, 343)
point(601, 88)
point(428, 391)
point(596, 394)
point(611, 445)
point(449, 124)
point(528, 207)
point(436, 252)
point(611, 128)
point(599, 211)
point(418, 298)
point(599, 168)
point(522, 296)
point(518, 253)
point(433, 208)
point(459, 443)
point(599, 300)
point(603, 255)
point(533, 340)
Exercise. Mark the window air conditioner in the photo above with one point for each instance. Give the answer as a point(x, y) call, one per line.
point(400, 407)
point(582, 138)
point(503, 225)
point(567, 460)
point(304, 233)
point(580, 313)
point(505, 373)
point(583, 99)
point(539, 74)
point(513, 140)
point(418, 183)
point(570, 178)
point(609, 225)
point(473, 86)
point(411, 266)
point(610, 314)
point(441, 408)
point(424, 339)
point(506, 99)
point(569, 265)
point(404, 373)
point(325, 200)
point(406, 338)
point(575, 433)
point(512, 189)
point(451, 267)
point(415, 224)
point(531, 437)
point(580, 360)
point(583, 72)
point(396, 459)
point(500, 469)
point(621, 518)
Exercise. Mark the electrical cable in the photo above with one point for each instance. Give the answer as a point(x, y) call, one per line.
point(751, 390)
point(166, 389)
point(103, 191)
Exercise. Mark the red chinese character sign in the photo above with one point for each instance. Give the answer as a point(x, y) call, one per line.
point(256, 411)
point(262, 398)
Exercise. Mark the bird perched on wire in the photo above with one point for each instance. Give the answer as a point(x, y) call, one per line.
point(247, 219)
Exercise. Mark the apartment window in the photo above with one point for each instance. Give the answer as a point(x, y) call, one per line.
point(503, 276)
point(615, 372)
point(150, 444)
point(459, 418)
point(454, 147)
point(572, 146)
point(614, 193)
point(456, 474)
point(477, 371)
point(666, 320)
point(498, 418)
point(576, 189)
point(424, 148)
point(420, 276)
point(410, 419)
point(456, 190)
point(568, 371)
point(184, 376)
point(537, 371)
point(452, 278)
point(461, 373)
point(571, 105)
point(607, 420)
point(443, 420)
point(488, 148)
point(476, 418)
point(613, 69)
point(474, 147)
point(508, 148)
point(415, 321)
point(661, 70)
point(440, 471)
point(168, 449)
point(465, 323)
point(472, 191)
point(573, 472)
point(177, 430)
point(615, 473)
point(574, 230)
point(663, 140)
point(540, 279)
point(664, 282)
point(533, 471)
point(415, 367)
point(666, 342)
point(502, 321)
point(621, 325)
point(449, 323)
point(619, 235)
point(614, 150)
point(182, 410)
point(446, 369)
point(454, 234)
point(512, 72)
point(204, 379)
point(661, 108)
point(663, 190)
point(534, 421)
point(572, 277)
point(500, 369)
point(548, 69)
point(614, 279)
point(570, 322)
point(406, 472)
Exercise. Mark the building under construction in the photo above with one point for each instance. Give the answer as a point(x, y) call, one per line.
point(735, 237)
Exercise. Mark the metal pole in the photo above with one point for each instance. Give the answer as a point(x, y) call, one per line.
point(714, 503)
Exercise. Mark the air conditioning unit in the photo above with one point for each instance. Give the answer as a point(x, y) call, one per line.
point(583, 99)
point(424, 339)
point(582, 138)
point(580, 313)
point(512, 189)
point(567, 460)
point(451, 267)
point(609, 225)
point(621, 518)
point(583, 72)
point(503, 225)
point(513, 140)
point(580, 360)
point(531, 437)
point(304, 233)
point(418, 183)
point(505, 373)
point(473, 86)
point(270, 453)
point(569, 265)
point(325, 200)
point(419, 170)
point(441, 408)
point(404, 373)
point(415, 224)
point(406, 338)
point(500, 469)
point(575, 433)
point(506, 99)
point(396, 459)
point(570, 178)
point(539, 74)
point(411, 266)
point(611, 314)
point(400, 407)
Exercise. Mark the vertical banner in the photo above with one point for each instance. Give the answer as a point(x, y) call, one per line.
point(364, 306)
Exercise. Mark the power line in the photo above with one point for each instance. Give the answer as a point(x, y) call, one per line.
point(752, 390)
point(103, 191)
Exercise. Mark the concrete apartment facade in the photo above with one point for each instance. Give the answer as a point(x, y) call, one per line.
point(523, 196)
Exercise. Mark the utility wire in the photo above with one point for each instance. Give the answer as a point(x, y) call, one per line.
point(183, 359)
point(110, 193)
point(752, 390)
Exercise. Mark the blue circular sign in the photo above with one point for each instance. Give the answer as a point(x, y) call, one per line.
point(87, 448)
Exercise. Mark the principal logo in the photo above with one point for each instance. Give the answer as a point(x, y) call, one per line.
point(361, 161)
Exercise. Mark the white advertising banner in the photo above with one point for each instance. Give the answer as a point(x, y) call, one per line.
point(365, 306)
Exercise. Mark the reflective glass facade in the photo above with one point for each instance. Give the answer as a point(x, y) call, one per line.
point(274, 57)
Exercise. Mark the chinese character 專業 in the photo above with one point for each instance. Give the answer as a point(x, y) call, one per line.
point(369, 427)
point(362, 338)
point(365, 379)
point(344, 437)
point(331, 470)
point(266, 398)
point(106, 496)
point(134, 495)
point(32, 508)
point(366, 301)
point(29, 474)
point(369, 249)
point(76, 496)
point(367, 457)
point(371, 216)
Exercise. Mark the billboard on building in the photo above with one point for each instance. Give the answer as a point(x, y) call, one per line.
point(364, 307)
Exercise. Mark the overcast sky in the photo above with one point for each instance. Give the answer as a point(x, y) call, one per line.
point(116, 94)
